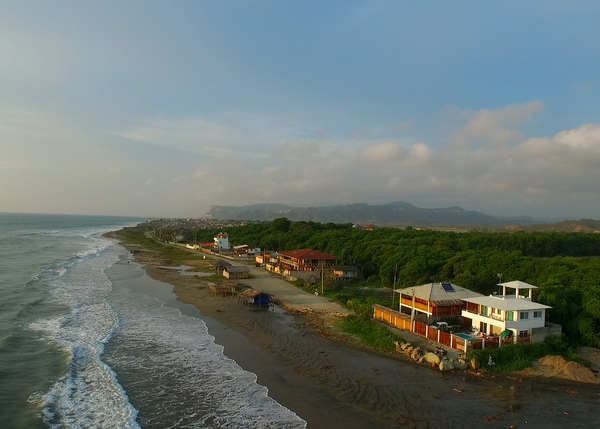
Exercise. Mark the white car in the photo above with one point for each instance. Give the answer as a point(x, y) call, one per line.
point(439, 325)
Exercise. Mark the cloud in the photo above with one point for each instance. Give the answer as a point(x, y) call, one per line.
point(187, 164)
point(523, 177)
point(380, 131)
point(420, 153)
point(584, 138)
point(220, 136)
point(297, 149)
point(380, 153)
point(491, 126)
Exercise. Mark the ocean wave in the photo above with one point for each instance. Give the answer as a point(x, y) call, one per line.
point(180, 377)
point(89, 394)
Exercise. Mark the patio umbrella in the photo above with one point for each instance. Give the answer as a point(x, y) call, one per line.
point(506, 333)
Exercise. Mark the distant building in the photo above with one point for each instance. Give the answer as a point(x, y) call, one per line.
point(222, 241)
point(245, 251)
point(345, 273)
point(304, 260)
point(233, 272)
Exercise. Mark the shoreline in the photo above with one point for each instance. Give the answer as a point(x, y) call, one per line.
point(285, 352)
point(332, 384)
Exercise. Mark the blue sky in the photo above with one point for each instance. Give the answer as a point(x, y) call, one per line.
point(166, 108)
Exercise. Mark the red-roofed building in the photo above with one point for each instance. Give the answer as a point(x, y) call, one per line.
point(305, 260)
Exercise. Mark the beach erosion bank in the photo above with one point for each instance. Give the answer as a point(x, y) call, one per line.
point(329, 383)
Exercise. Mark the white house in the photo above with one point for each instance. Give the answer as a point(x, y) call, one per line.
point(222, 241)
point(499, 314)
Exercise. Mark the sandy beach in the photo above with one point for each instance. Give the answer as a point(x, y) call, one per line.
point(331, 382)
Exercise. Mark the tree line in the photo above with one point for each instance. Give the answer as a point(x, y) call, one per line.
point(565, 266)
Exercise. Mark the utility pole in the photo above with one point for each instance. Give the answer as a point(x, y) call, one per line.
point(322, 280)
point(322, 277)
point(412, 312)
point(394, 289)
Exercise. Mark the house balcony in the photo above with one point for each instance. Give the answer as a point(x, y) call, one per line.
point(417, 305)
point(475, 311)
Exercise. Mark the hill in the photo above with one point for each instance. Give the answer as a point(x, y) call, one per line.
point(582, 225)
point(398, 213)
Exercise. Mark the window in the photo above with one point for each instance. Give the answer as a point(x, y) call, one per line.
point(497, 311)
point(524, 315)
point(510, 316)
point(537, 314)
point(523, 334)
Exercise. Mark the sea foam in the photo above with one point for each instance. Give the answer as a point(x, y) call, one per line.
point(89, 394)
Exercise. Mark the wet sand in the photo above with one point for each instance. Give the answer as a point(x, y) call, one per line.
point(331, 383)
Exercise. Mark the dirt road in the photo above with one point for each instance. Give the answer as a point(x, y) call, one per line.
point(288, 295)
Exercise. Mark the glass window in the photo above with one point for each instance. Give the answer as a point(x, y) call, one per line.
point(524, 315)
point(510, 316)
point(523, 334)
point(537, 314)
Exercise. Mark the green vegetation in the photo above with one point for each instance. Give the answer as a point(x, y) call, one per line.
point(516, 357)
point(361, 324)
point(369, 332)
point(173, 255)
point(565, 266)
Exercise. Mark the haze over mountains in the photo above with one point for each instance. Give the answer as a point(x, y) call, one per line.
point(398, 213)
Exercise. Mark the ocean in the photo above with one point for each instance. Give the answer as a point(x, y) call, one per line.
point(88, 340)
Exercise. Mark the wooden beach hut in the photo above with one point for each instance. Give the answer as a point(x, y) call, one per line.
point(236, 272)
point(220, 265)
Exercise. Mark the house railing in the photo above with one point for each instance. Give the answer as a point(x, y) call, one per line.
point(489, 315)
point(417, 305)
point(404, 322)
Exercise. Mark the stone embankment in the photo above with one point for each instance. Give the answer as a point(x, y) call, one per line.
point(431, 359)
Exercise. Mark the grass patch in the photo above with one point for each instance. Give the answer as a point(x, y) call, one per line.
point(370, 333)
point(172, 254)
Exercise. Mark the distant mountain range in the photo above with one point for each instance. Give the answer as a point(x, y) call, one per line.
point(398, 213)
point(581, 225)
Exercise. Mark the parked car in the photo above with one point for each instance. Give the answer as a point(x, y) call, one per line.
point(440, 325)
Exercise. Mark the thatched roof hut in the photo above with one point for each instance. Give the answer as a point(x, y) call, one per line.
point(221, 264)
point(223, 289)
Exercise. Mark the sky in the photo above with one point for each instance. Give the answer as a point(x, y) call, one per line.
point(156, 108)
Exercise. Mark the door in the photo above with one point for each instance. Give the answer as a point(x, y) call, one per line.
point(483, 327)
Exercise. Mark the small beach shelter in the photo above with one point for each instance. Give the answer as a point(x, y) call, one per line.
point(236, 272)
point(221, 264)
point(255, 298)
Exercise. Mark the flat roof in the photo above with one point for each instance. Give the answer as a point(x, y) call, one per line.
point(509, 302)
point(518, 284)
